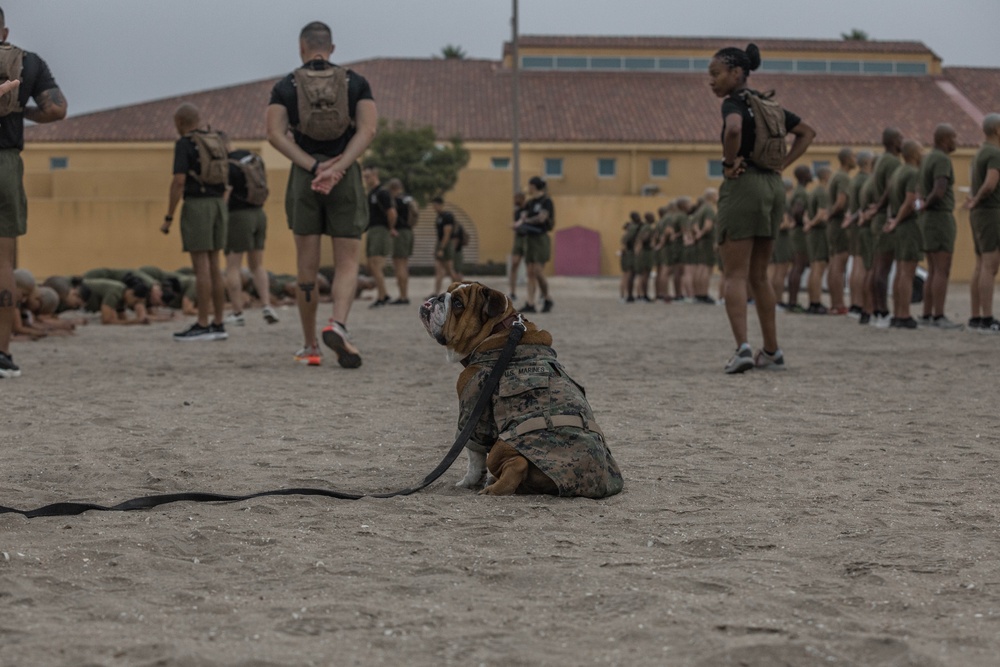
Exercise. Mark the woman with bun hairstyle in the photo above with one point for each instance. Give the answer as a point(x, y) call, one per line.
point(751, 206)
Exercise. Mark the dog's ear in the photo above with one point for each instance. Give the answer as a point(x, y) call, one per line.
point(494, 303)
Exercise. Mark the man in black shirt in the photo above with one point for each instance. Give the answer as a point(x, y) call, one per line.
point(540, 219)
point(325, 195)
point(382, 217)
point(407, 213)
point(204, 218)
point(35, 82)
point(444, 247)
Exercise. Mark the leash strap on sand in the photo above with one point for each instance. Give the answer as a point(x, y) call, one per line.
point(148, 502)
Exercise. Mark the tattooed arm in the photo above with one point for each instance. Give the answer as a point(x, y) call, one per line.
point(51, 107)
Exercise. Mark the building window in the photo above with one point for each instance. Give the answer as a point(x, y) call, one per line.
point(554, 167)
point(606, 167)
point(845, 67)
point(683, 64)
point(819, 164)
point(698, 64)
point(777, 66)
point(876, 67)
point(500, 162)
point(536, 62)
point(640, 63)
point(911, 68)
point(58, 163)
point(715, 169)
point(811, 66)
point(659, 168)
point(605, 63)
point(571, 62)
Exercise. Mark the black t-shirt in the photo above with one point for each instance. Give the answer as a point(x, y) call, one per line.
point(403, 211)
point(379, 204)
point(444, 219)
point(186, 162)
point(238, 183)
point(536, 206)
point(285, 94)
point(735, 103)
point(35, 80)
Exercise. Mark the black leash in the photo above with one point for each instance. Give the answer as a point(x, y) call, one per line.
point(147, 502)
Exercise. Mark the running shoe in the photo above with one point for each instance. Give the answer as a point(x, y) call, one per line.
point(547, 305)
point(528, 308)
point(839, 310)
point(769, 362)
point(195, 332)
point(400, 302)
point(926, 321)
point(905, 323)
point(975, 323)
point(881, 321)
point(335, 337)
point(270, 316)
point(864, 318)
point(309, 356)
point(817, 309)
point(991, 325)
point(218, 331)
point(8, 369)
point(742, 361)
point(942, 322)
point(854, 311)
point(236, 318)
point(378, 303)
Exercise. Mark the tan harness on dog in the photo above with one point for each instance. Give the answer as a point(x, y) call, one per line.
point(549, 422)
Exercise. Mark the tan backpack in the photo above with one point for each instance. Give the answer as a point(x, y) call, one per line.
point(324, 113)
point(769, 148)
point(255, 175)
point(212, 158)
point(11, 64)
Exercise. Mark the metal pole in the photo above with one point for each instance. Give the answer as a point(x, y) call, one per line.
point(515, 103)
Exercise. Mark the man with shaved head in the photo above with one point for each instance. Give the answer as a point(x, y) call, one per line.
point(883, 249)
point(836, 235)
point(985, 216)
point(28, 78)
point(905, 233)
point(937, 224)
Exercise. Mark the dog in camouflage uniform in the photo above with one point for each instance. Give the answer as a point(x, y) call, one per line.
point(538, 434)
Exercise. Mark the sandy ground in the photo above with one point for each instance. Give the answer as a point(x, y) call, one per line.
point(845, 512)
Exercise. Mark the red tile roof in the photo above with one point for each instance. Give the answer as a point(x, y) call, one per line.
point(981, 85)
point(714, 43)
point(471, 99)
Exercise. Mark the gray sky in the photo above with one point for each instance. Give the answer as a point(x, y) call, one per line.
point(108, 53)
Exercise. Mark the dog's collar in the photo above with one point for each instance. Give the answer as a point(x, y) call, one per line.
point(503, 325)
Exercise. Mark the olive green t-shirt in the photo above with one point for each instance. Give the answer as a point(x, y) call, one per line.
point(886, 164)
point(104, 292)
point(840, 184)
point(702, 215)
point(819, 199)
point(937, 165)
point(799, 195)
point(987, 158)
point(903, 180)
point(854, 198)
point(119, 275)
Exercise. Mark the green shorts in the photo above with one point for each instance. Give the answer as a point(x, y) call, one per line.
point(517, 250)
point(644, 261)
point(13, 201)
point(247, 230)
point(938, 229)
point(402, 244)
point(378, 242)
point(882, 244)
point(675, 252)
point(782, 251)
point(816, 245)
point(986, 229)
point(457, 261)
point(447, 256)
point(852, 240)
point(866, 248)
point(798, 236)
point(751, 206)
point(342, 214)
point(203, 224)
point(706, 248)
point(908, 241)
point(836, 236)
point(538, 249)
point(627, 261)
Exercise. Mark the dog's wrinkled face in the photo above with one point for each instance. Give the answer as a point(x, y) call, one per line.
point(464, 316)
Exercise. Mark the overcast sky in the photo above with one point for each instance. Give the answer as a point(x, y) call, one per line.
point(108, 53)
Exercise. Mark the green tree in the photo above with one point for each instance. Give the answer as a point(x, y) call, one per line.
point(855, 35)
point(426, 166)
point(453, 52)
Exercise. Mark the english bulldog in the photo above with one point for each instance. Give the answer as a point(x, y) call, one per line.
point(538, 434)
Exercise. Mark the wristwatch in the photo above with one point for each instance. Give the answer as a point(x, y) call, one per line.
point(168, 218)
point(728, 165)
point(315, 168)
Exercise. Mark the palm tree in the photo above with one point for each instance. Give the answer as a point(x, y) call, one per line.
point(452, 52)
point(855, 35)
